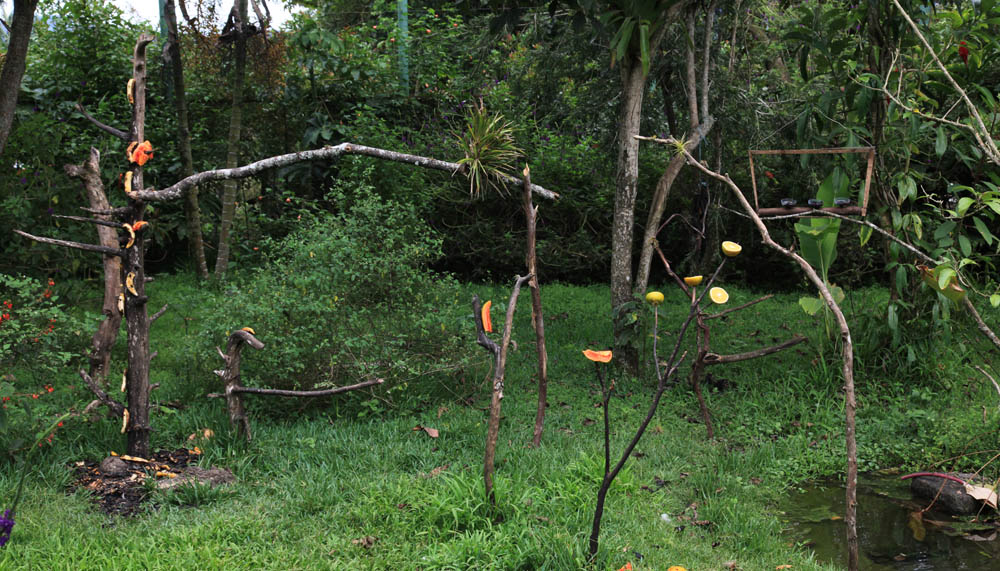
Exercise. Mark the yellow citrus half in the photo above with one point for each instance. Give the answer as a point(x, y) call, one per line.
point(676, 568)
point(654, 297)
point(731, 248)
point(718, 295)
point(693, 280)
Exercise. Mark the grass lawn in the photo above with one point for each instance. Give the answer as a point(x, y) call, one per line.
point(317, 478)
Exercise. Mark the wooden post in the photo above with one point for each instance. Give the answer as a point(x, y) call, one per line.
point(537, 319)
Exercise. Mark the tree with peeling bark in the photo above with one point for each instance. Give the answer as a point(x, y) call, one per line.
point(14, 61)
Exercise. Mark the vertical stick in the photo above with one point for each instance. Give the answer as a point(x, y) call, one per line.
point(537, 319)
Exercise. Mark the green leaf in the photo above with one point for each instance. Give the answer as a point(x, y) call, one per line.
point(804, 62)
point(983, 230)
point(945, 274)
point(811, 305)
point(941, 144)
point(644, 47)
point(995, 300)
point(865, 234)
point(965, 245)
point(963, 205)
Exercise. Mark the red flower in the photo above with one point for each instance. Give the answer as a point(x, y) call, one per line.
point(8, 304)
point(60, 424)
point(49, 388)
point(34, 396)
point(51, 283)
point(963, 52)
point(769, 174)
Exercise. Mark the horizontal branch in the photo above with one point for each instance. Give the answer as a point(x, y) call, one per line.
point(78, 245)
point(716, 359)
point(106, 128)
point(177, 190)
point(120, 212)
point(91, 220)
point(284, 393)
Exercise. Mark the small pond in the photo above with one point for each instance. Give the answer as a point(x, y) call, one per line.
point(893, 535)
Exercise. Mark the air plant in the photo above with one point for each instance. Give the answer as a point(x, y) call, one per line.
point(490, 152)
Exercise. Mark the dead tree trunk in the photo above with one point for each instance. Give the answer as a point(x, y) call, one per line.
point(500, 362)
point(107, 332)
point(537, 318)
point(233, 389)
point(231, 379)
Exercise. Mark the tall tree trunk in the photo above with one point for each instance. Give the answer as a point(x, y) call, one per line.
point(14, 62)
point(626, 188)
point(233, 153)
point(192, 212)
point(136, 425)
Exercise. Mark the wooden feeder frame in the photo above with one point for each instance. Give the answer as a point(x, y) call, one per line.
point(843, 210)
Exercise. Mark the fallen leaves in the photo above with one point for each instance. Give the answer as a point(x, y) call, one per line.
point(432, 432)
point(367, 541)
point(983, 494)
point(435, 472)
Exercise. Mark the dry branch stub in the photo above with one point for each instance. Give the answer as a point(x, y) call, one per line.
point(233, 389)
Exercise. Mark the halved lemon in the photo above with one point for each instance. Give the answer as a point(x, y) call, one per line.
point(718, 295)
point(693, 280)
point(654, 297)
point(731, 248)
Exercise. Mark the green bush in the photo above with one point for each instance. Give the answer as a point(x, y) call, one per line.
point(39, 344)
point(347, 297)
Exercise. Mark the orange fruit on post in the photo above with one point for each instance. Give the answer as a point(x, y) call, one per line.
point(731, 248)
point(654, 297)
point(597, 356)
point(487, 320)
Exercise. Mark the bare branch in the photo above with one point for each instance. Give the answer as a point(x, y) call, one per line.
point(157, 315)
point(318, 393)
point(988, 376)
point(78, 245)
point(116, 407)
point(739, 307)
point(121, 212)
point(716, 359)
point(117, 133)
point(90, 220)
point(327, 153)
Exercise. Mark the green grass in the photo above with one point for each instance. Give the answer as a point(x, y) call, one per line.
point(314, 479)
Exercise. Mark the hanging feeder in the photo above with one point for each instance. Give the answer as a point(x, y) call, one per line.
point(791, 206)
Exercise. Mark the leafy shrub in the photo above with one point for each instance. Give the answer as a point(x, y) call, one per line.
point(38, 340)
point(347, 297)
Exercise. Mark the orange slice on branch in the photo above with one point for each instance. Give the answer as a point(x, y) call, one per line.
point(693, 280)
point(487, 320)
point(597, 356)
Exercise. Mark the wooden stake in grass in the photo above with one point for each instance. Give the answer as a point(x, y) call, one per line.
point(500, 361)
point(537, 319)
